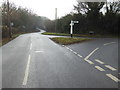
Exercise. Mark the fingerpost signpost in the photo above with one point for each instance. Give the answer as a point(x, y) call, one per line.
point(71, 29)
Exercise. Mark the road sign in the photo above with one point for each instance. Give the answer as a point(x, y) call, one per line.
point(75, 21)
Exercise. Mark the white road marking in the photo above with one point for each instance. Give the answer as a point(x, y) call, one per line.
point(26, 71)
point(111, 68)
point(91, 53)
point(67, 47)
point(108, 43)
point(71, 50)
point(113, 77)
point(99, 68)
point(39, 51)
point(30, 46)
point(74, 52)
point(90, 62)
point(79, 55)
point(99, 61)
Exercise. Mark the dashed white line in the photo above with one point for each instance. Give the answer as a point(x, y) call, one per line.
point(74, 52)
point(26, 71)
point(71, 50)
point(111, 68)
point(113, 77)
point(99, 68)
point(99, 61)
point(91, 53)
point(108, 43)
point(67, 47)
point(30, 46)
point(39, 51)
point(79, 55)
point(90, 62)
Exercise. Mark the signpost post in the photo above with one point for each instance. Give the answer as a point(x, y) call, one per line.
point(71, 29)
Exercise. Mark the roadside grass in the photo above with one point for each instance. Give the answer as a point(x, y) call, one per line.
point(6, 40)
point(82, 35)
point(67, 40)
point(59, 34)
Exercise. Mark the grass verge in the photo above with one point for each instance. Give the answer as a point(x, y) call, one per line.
point(59, 34)
point(66, 40)
point(6, 40)
point(82, 35)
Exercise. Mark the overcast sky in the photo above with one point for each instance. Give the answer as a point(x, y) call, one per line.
point(47, 7)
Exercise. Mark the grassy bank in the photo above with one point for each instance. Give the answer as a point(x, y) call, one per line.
point(66, 41)
point(81, 35)
point(59, 34)
point(6, 40)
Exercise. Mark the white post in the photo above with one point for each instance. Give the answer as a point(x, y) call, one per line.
point(71, 28)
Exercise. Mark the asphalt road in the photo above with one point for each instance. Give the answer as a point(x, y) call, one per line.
point(34, 61)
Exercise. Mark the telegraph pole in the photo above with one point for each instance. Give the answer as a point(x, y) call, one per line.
point(8, 19)
point(55, 19)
